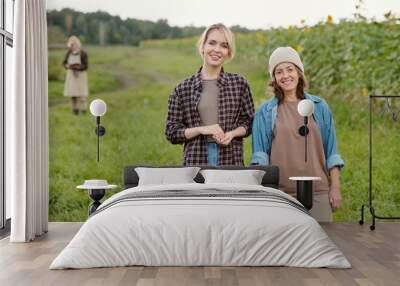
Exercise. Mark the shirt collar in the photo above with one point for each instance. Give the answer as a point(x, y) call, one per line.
point(312, 97)
point(198, 81)
point(274, 100)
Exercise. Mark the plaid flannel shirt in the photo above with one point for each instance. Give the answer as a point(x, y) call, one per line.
point(235, 108)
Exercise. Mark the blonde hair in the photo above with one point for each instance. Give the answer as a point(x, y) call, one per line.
point(228, 36)
point(73, 39)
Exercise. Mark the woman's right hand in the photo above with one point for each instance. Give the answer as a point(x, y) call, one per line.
point(214, 129)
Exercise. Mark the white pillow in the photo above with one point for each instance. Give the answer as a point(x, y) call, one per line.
point(163, 176)
point(248, 177)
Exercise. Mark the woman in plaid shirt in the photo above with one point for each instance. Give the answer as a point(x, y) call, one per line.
point(211, 111)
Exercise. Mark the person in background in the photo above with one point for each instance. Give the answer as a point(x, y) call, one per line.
point(76, 82)
point(276, 139)
point(211, 111)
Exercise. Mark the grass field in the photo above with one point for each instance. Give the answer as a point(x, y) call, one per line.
point(136, 83)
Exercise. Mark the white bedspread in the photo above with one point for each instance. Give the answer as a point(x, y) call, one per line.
point(200, 231)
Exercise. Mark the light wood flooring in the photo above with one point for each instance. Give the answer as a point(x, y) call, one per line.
point(374, 255)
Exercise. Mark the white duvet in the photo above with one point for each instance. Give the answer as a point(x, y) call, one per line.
point(200, 231)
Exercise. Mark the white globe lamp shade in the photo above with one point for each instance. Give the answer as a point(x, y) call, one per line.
point(98, 107)
point(305, 107)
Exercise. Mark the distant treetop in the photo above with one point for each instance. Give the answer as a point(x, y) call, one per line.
point(102, 28)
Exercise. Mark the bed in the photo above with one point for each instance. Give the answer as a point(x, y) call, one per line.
point(201, 224)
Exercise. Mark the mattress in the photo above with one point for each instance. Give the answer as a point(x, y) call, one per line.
point(201, 225)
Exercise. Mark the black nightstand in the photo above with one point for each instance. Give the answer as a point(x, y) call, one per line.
point(96, 191)
point(304, 190)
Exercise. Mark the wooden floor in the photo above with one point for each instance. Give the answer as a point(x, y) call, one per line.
point(374, 255)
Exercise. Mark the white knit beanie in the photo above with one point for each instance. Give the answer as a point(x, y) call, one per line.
point(284, 54)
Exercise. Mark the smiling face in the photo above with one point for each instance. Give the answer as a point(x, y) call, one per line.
point(74, 44)
point(75, 47)
point(216, 49)
point(287, 77)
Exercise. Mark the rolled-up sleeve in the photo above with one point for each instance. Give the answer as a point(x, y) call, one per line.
point(246, 115)
point(84, 61)
point(175, 127)
point(259, 141)
point(333, 157)
point(334, 161)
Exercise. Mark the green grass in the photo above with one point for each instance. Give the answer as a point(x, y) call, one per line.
point(136, 83)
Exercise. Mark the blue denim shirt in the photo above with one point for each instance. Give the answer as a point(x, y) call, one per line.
point(264, 122)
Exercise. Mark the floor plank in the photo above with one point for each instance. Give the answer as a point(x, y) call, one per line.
point(374, 255)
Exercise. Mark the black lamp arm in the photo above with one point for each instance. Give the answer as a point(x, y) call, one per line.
point(100, 131)
point(305, 137)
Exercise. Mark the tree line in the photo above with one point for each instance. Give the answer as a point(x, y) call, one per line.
point(102, 28)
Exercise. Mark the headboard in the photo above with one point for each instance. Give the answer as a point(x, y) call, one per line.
point(270, 179)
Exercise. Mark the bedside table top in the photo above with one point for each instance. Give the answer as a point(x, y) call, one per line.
point(305, 178)
point(96, 184)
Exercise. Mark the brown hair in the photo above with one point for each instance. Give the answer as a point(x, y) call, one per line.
point(301, 86)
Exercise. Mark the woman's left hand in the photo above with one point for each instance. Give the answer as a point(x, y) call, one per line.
point(335, 197)
point(228, 136)
point(75, 66)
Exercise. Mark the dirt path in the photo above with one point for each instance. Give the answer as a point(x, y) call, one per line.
point(126, 82)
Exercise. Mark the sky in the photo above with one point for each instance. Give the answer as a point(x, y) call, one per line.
point(253, 14)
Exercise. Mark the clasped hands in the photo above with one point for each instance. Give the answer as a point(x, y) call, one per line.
point(73, 66)
point(220, 137)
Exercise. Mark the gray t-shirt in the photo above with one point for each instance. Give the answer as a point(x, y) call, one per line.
point(208, 105)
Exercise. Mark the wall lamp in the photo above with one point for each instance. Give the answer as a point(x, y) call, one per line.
point(305, 108)
point(98, 108)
